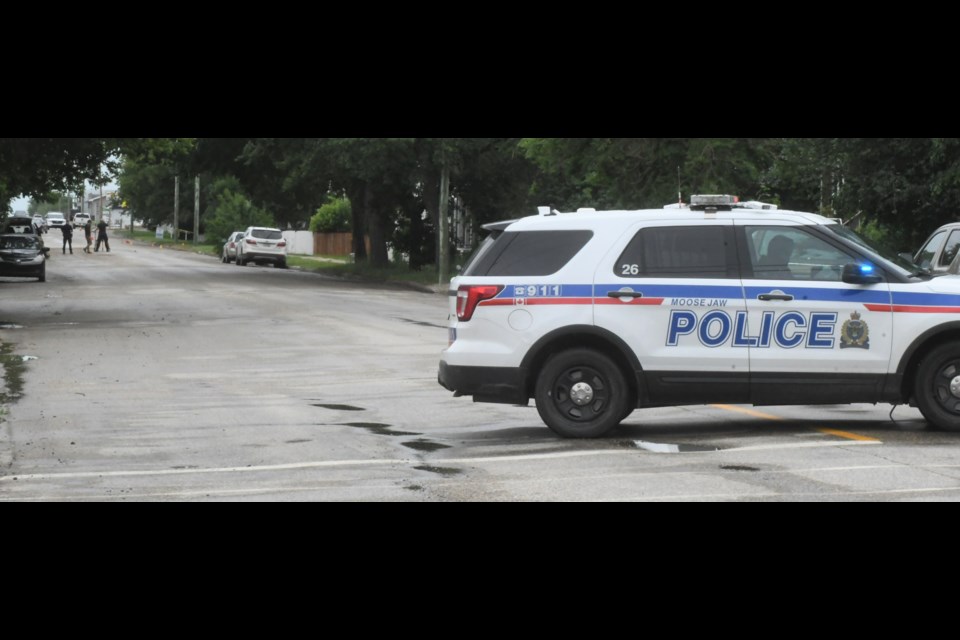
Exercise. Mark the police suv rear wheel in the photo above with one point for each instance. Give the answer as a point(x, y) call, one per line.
point(581, 393)
point(937, 389)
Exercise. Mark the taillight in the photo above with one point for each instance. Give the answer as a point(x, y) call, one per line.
point(250, 241)
point(281, 244)
point(469, 296)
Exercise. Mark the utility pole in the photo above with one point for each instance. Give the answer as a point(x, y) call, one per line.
point(196, 210)
point(444, 266)
point(176, 208)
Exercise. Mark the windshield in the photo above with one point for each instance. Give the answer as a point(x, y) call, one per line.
point(883, 255)
point(18, 242)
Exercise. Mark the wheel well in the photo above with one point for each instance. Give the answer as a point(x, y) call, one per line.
point(582, 341)
point(913, 363)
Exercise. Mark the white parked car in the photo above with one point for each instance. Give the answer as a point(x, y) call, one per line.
point(55, 220)
point(595, 314)
point(80, 219)
point(262, 245)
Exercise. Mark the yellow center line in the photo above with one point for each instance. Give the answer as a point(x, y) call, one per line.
point(769, 416)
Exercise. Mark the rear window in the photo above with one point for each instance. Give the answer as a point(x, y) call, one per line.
point(266, 234)
point(528, 253)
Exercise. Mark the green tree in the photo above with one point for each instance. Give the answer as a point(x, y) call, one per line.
point(333, 217)
point(230, 211)
point(36, 166)
point(645, 172)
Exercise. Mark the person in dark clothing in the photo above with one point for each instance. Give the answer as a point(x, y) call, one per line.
point(102, 236)
point(88, 234)
point(67, 230)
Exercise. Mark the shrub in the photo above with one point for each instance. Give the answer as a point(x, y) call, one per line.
point(334, 216)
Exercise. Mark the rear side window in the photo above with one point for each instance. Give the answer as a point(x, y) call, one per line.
point(529, 253)
point(679, 252)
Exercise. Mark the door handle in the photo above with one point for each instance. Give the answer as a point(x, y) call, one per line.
point(624, 294)
point(766, 297)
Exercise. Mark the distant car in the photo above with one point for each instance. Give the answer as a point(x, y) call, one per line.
point(55, 219)
point(22, 256)
point(80, 219)
point(262, 245)
point(39, 223)
point(229, 253)
point(940, 254)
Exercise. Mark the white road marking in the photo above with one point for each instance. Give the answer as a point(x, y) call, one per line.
point(27, 477)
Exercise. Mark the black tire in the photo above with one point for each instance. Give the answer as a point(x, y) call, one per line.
point(224, 259)
point(937, 387)
point(602, 388)
point(239, 261)
point(281, 265)
point(43, 274)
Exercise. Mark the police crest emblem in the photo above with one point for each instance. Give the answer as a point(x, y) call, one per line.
point(855, 334)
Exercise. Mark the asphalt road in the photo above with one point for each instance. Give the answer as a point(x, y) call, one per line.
point(154, 375)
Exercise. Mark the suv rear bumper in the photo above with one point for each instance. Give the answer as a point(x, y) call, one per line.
point(252, 256)
point(500, 385)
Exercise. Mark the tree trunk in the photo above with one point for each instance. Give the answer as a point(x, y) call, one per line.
point(357, 192)
point(430, 181)
point(375, 228)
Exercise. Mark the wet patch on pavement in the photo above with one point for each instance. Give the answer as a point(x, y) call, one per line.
point(443, 471)
point(300, 441)
point(421, 323)
point(339, 407)
point(11, 381)
point(737, 467)
point(425, 445)
point(379, 429)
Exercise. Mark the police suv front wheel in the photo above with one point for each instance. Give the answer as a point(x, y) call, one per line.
point(937, 390)
point(581, 393)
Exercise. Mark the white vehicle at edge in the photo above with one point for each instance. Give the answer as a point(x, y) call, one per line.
point(595, 314)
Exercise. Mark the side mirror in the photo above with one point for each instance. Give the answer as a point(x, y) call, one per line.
point(861, 274)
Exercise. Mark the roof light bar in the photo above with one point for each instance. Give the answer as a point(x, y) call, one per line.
point(713, 201)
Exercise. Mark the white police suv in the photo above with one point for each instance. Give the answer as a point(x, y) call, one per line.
point(594, 314)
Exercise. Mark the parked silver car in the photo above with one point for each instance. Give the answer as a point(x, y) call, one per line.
point(229, 253)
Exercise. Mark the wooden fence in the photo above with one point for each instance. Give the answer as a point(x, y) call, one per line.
point(335, 244)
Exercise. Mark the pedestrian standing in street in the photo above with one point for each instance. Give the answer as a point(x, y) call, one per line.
point(102, 236)
point(67, 230)
point(88, 234)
